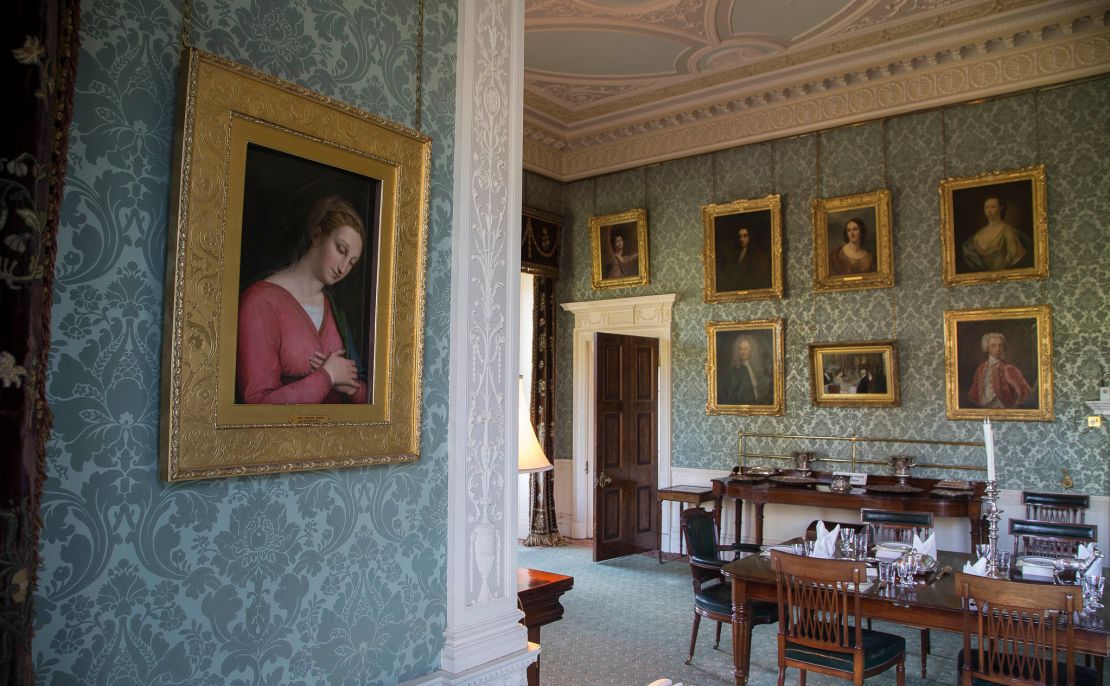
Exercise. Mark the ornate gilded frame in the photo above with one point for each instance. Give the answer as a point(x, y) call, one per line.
point(1009, 184)
point(963, 355)
point(845, 208)
point(205, 432)
point(601, 225)
point(719, 340)
point(732, 214)
point(821, 357)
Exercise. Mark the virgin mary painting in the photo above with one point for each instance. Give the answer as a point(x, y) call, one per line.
point(303, 328)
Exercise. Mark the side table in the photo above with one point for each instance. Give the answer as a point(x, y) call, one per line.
point(686, 495)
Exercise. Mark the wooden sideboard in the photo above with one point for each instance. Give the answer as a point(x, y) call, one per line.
point(762, 493)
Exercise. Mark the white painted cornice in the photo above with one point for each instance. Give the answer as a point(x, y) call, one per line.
point(1039, 46)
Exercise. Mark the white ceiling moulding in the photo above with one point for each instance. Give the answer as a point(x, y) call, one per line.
point(1077, 48)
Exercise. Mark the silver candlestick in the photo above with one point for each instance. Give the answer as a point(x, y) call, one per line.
point(993, 515)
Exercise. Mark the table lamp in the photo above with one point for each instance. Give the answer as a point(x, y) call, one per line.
point(530, 457)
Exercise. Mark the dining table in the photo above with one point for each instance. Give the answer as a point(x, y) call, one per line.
point(932, 605)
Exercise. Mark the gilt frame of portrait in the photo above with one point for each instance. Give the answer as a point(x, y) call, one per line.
point(762, 390)
point(1020, 379)
point(833, 269)
point(611, 270)
point(837, 371)
point(725, 281)
point(251, 152)
point(1020, 246)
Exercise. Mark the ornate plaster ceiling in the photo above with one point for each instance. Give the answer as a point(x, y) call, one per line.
point(612, 84)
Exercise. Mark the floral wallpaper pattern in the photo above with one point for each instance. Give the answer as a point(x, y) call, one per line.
point(1065, 128)
point(316, 578)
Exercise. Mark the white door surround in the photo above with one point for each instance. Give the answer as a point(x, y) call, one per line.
point(648, 316)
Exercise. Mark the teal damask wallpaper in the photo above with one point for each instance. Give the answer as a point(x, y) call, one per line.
point(1065, 128)
point(317, 578)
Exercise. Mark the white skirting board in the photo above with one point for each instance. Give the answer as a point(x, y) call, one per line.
point(781, 522)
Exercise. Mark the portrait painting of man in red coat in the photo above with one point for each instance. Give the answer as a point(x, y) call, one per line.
point(1003, 363)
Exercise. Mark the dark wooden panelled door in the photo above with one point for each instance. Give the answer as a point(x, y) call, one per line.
point(627, 444)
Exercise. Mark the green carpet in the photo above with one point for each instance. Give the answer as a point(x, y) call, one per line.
point(628, 620)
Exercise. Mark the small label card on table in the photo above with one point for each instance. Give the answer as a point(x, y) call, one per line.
point(854, 478)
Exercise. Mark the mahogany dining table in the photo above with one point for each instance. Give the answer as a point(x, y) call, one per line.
point(928, 606)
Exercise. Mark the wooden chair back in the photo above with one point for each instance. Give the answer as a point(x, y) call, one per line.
point(1070, 508)
point(1050, 539)
point(894, 525)
point(819, 603)
point(1020, 631)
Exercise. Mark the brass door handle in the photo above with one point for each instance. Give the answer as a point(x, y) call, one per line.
point(603, 480)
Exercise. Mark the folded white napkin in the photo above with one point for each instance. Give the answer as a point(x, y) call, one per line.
point(1085, 551)
point(825, 545)
point(926, 547)
point(978, 569)
point(1036, 571)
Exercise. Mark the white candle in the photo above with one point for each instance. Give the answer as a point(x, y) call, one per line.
point(988, 441)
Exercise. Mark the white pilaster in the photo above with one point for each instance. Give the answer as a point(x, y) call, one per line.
point(482, 615)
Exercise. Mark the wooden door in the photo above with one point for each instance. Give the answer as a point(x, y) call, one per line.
point(626, 424)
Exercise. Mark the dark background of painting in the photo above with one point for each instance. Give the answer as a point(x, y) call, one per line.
point(762, 361)
point(835, 232)
point(1021, 351)
point(627, 230)
point(968, 217)
point(278, 192)
point(726, 245)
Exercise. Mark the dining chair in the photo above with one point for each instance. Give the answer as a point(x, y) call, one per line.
point(1020, 630)
point(893, 525)
point(712, 593)
point(1050, 539)
point(820, 626)
point(1070, 508)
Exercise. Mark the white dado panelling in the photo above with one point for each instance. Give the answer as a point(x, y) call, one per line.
point(781, 522)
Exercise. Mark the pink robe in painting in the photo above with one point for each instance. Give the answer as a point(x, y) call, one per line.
point(276, 341)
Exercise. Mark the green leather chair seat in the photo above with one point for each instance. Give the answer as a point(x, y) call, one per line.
point(1084, 676)
point(878, 648)
point(718, 598)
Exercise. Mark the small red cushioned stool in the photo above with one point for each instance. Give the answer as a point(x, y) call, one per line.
point(686, 495)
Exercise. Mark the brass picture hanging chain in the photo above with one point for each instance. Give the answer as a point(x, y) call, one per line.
point(419, 66)
point(645, 188)
point(713, 181)
point(817, 166)
point(186, 21)
point(943, 147)
point(886, 184)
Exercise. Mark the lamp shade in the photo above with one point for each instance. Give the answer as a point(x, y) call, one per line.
point(530, 457)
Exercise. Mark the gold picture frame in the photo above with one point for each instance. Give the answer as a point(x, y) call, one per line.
point(855, 374)
point(852, 242)
point(998, 363)
point(743, 250)
point(757, 390)
point(260, 166)
point(1004, 240)
point(620, 265)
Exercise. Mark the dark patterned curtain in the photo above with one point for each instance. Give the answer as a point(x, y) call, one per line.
point(540, 256)
point(38, 61)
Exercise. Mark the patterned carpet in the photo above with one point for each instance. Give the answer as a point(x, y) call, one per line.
point(628, 622)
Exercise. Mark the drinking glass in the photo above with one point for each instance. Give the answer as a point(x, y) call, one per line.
point(847, 545)
point(905, 568)
point(1002, 560)
point(886, 573)
point(1093, 586)
point(982, 550)
point(861, 544)
point(809, 548)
